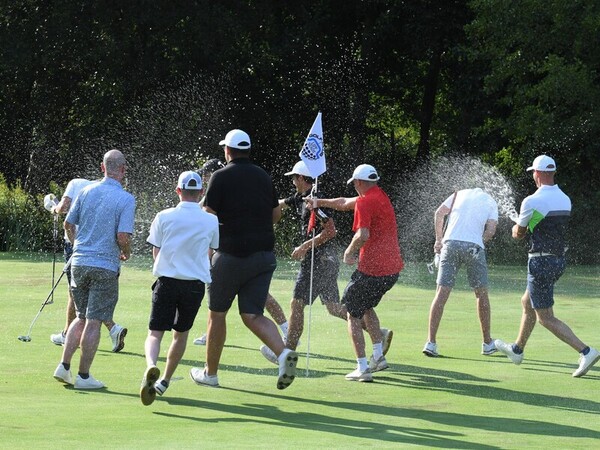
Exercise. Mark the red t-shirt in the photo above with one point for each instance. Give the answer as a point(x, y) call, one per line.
point(380, 255)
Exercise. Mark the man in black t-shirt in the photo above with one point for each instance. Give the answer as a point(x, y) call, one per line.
point(245, 201)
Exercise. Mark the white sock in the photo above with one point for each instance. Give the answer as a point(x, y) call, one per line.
point(377, 351)
point(363, 365)
point(284, 328)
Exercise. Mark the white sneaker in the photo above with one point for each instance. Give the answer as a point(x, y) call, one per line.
point(508, 351)
point(58, 338)
point(89, 383)
point(117, 335)
point(488, 349)
point(201, 340)
point(586, 362)
point(287, 368)
point(63, 375)
point(161, 386)
point(268, 353)
point(387, 340)
point(380, 364)
point(430, 349)
point(357, 375)
point(147, 391)
point(201, 377)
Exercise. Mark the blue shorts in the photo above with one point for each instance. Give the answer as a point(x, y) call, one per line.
point(364, 292)
point(542, 273)
point(248, 277)
point(325, 273)
point(175, 304)
point(95, 292)
point(456, 253)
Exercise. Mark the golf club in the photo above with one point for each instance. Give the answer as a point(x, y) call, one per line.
point(54, 245)
point(27, 337)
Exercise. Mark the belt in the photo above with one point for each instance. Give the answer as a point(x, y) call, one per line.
point(537, 254)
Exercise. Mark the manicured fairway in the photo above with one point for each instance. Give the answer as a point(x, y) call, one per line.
point(461, 400)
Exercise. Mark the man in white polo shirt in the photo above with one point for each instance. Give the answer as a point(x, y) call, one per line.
point(544, 219)
point(181, 238)
point(472, 219)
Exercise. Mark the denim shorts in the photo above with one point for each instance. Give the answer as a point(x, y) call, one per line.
point(542, 273)
point(95, 292)
point(456, 253)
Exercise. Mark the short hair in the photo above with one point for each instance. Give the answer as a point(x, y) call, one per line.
point(113, 160)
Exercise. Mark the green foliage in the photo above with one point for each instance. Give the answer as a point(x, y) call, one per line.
point(24, 224)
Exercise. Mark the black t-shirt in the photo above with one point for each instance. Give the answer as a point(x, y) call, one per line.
point(297, 204)
point(243, 196)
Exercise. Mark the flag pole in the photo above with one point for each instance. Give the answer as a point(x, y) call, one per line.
point(310, 290)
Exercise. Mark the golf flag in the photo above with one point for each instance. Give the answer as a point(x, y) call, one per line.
point(313, 151)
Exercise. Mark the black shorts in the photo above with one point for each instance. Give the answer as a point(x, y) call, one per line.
point(248, 277)
point(325, 273)
point(175, 304)
point(364, 292)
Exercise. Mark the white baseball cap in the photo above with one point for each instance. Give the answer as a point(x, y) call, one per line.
point(364, 172)
point(543, 163)
point(299, 169)
point(237, 139)
point(189, 181)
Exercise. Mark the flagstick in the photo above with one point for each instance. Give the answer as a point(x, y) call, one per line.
point(310, 290)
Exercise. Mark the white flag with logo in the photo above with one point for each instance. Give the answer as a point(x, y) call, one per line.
point(313, 151)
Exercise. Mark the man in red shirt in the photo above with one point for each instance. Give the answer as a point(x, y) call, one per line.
point(375, 247)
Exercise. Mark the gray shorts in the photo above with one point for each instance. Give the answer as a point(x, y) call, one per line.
point(95, 292)
point(456, 253)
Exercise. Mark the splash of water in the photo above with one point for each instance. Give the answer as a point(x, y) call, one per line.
point(417, 197)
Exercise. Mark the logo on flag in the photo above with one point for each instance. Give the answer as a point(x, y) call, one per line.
point(313, 151)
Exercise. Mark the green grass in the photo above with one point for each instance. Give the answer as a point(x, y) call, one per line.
point(462, 400)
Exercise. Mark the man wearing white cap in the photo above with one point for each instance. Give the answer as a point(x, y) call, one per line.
point(376, 249)
point(544, 219)
point(182, 238)
point(244, 199)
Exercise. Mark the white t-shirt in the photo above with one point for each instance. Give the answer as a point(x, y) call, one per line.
point(184, 234)
point(472, 209)
point(73, 189)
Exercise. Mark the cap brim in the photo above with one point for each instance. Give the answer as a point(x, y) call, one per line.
point(350, 180)
point(222, 143)
point(529, 169)
point(287, 174)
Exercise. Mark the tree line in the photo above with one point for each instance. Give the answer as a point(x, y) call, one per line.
point(399, 83)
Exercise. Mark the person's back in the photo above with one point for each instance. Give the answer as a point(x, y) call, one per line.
point(242, 195)
point(470, 212)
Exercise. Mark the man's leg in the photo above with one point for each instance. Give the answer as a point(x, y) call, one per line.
point(437, 310)
point(176, 352)
point(216, 333)
point(558, 328)
point(275, 310)
point(355, 331)
point(296, 323)
point(528, 319)
point(89, 344)
point(484, 313)
point(265, 329)
point(70, 313)
point(72, 339)
point(152, 346)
